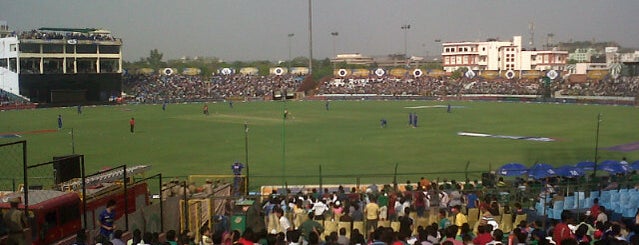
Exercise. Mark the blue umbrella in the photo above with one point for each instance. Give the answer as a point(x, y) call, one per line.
point(634, 165)
point(541, 170)
point(569, 171)
point(613, 167)
point(512, 169)
point(586, 165)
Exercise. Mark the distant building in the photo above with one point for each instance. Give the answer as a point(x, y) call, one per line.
point(584, 68)
point(499, 56)
point(352, 59)
point(582, 55)
point(629, 57)
point(612, 55)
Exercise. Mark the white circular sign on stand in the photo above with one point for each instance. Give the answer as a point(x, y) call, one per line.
point(510, 74)
point(418, 72)
point(552, 74)
point(168, 71)
point(279, 71)
point(379, 72)
point(342, 72)
point(226, 71)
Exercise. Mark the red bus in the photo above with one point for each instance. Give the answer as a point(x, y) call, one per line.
point(56, 215)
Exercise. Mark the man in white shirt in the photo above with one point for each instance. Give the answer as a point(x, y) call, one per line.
point(319, 207)
point(602, 216)
point(285, 224)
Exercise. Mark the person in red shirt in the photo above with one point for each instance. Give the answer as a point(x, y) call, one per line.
point(483, 235)
point(247, 237)
point(132, 124)
point(594, 210)
point(562, 231)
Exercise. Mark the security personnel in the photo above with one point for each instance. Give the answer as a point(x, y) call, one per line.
point(16, 222)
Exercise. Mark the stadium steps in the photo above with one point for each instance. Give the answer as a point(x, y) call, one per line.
point(14, 101)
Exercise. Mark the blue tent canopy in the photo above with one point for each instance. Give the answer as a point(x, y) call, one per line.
point(635, 165)
point(512, 169)
point(541, 170)
point(586, 165)
point(613, 167)
point(569, 171)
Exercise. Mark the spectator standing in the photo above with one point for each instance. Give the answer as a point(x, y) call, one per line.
point(357, 214)
point(594, 210)
point(382, 201)
point(309, 226)
point(15, 221)
point(372, 214)
point(443, 220)
point(419, 201)
point(459, 217)
point(602, 216)
point(106, 221)
point(237, 167)
point(406, 223)
point(562, 231)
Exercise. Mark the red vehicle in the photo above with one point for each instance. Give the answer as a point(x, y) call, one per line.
point(56, 215)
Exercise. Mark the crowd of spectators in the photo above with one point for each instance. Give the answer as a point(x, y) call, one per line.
point(623, 86)
point(425, 212)
point(429, 86)
point(50, 35)
point(443, 86)
point(4, 97)
point(156, 88)
point(7, 99)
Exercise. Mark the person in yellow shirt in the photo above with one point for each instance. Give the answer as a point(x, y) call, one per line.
point(458, 217)
point(371, 211)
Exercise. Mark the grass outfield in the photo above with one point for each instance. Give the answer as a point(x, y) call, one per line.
point(347, 140)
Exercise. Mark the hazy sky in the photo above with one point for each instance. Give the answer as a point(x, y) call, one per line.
point(257, 29)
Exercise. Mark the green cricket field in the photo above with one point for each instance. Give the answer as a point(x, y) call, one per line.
point(347, 141)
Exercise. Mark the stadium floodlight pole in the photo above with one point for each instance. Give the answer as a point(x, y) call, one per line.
point(246, 155)
point(594, 172)
point(334, 34)
point(310, 37)
point(405, 27)
point(290, 35)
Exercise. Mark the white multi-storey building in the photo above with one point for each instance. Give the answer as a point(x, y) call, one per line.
point(61, 65)
point(500, 56)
